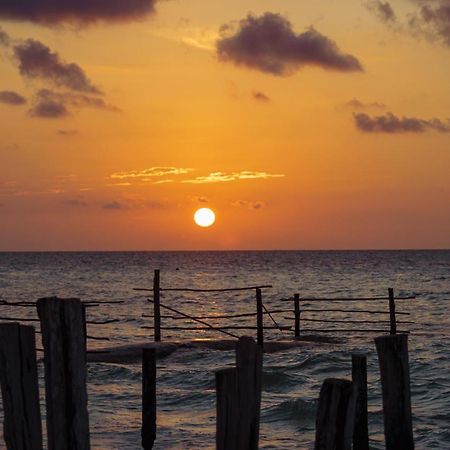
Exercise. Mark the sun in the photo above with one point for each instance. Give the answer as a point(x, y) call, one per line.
point(204, 217)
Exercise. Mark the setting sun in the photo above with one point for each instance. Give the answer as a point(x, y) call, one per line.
point(204, 217)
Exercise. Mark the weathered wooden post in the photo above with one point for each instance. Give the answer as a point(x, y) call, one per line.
point(65, 373)
point(359, 378)
point(392, 319)
point(259, 318)
point(297, 314)
point(394, 369)
point(156, 306)
point(148, 432)
point(84, 319)
point(335, 415)
point(22, 428)
point(227, 409)
point(249, 358)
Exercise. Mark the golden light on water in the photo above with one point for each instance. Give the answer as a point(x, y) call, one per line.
point(204, 217)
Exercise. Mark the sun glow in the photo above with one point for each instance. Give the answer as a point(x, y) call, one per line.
point(204, 217)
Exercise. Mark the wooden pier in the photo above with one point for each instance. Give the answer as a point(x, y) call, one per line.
point(342, 419)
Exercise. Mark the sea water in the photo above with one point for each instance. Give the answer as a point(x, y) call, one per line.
point(292, 378)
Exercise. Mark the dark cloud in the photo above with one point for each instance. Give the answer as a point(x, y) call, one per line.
point(260, 97)
point(51, 12)
point(389, 123)
point(269, 44)
point(11, 98)
point(36, 60)
point(383, 10)
point(432, 20)
point(4, 38)
point(113, 206)
point(357, 104)
point(50, 104)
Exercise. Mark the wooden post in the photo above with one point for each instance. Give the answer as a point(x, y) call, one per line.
point(359, 378)
point(22, 427)
point(392, 318)
point(335, 415)
point(297, 314)
point(65, 373)
point(83, 318)
point(249, 379)
point(394, 369)
point(148, 432)
point(227, 409)
point(259, 318)
point(156, 306)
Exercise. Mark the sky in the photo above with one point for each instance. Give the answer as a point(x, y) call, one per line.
point(303, 125)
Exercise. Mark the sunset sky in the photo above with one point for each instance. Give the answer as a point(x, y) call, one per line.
point(303, 124)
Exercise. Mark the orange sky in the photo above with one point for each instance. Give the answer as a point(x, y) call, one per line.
point(156, 125)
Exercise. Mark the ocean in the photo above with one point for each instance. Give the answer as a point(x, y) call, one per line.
point(292, 378)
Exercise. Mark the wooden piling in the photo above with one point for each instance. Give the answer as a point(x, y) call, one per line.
point(297, 315)
point(249, 358)
point(65, 373)
point(392, 319)
point(359, 378)
point(84, 320)
point(148, 432)
point(22, 428)
point(156, 305)
point(335, 415)
point(259, 318)
point(227, 421)
point(394, 369)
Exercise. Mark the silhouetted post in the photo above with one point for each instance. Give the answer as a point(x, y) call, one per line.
point(392, 318)
point(394, 369)
point(148, 432)
point(359, 378)
point(249, 358)
point(335, 415)
point(22, 429)
point(227, 409)
point(156, 306)
point(83, 318)
point(65, 373)
point(259, 318)
point(297, 314)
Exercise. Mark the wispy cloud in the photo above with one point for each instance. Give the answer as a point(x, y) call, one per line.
point(250, 204)
point(221, 177)
point(383, 10)
point(12, 98)
point(356, 104)
point(151, 173)
point(389, 123)
point(259, 96)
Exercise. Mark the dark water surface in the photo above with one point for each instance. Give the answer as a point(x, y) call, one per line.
point(292, 378)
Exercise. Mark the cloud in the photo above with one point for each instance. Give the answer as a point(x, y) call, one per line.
point(4, 38)
point(220, 177)
point(150, 173)
point(36, 60)
point(393, 124)
point(67, 133)
point(383, 10)
point(49, 104)
point(11, 98)
point(113, 206)
point(357, 104)
point(269, 44)
point(51, 12)
point(432, 20)
point(260, 97)
point(250, 204)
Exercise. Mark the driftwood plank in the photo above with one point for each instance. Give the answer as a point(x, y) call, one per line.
point(20, 389)
point(394, 369)
point(65, 373)
point(335, 415)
